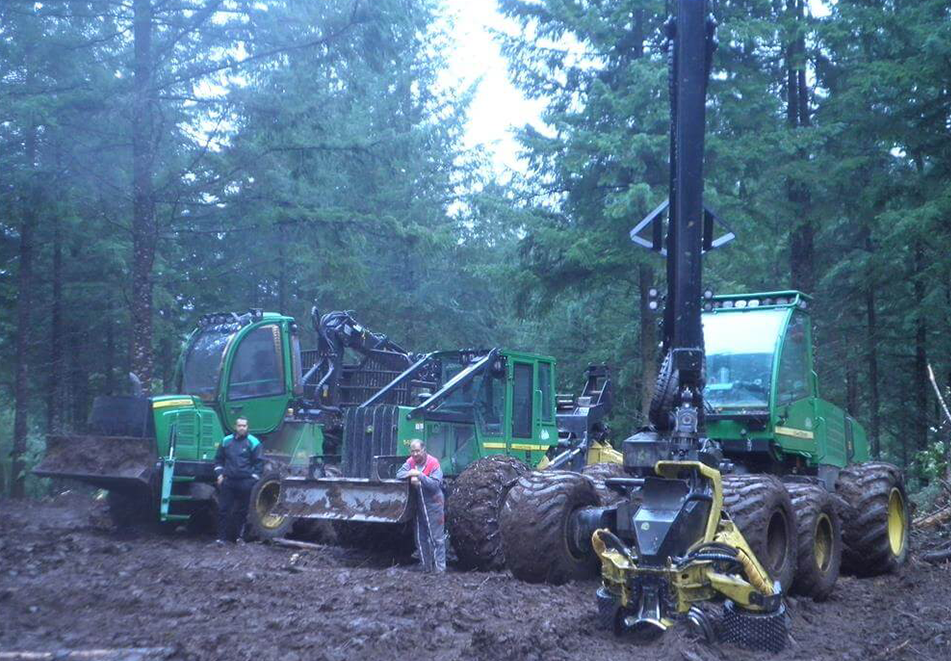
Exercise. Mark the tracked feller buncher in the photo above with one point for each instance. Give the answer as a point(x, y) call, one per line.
point(155, 455)
point(746, 485)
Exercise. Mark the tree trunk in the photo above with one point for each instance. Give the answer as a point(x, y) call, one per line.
point(24, 329)
point(851, 385)
point(143, 202)
point(802, 235)
point(871, 354)
point(110, 366)
point(921, 354)
point(54, 389)
point(78, 380)
point(648, 319)
point(282, 267)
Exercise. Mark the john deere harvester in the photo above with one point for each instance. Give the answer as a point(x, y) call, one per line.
point(747, 484)
point(155, 455)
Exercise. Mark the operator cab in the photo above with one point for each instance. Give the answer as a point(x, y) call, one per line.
point(247, 365)
point(757, 352)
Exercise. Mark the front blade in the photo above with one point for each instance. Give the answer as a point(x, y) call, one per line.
point(345, 499)
point(109, 462)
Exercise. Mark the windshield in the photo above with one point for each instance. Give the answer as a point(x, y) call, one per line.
point(462, 397)
point(739, 349)
point(203, 363)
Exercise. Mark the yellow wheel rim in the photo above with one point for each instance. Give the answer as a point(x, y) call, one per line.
point(823, 543)
point(897, 525)
point(268, 495)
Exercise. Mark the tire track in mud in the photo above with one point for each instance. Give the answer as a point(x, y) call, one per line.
point(69, 582)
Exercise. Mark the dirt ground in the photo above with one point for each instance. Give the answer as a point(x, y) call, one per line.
point(68, 582)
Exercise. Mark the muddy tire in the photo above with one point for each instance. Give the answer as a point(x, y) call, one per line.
point(876, 523)
point(534, 526)
point(473, 510)
point(762, 510)
point(264, 496)
point(819, 535)
point(598, 474)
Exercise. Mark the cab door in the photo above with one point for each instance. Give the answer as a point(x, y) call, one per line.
point(547, 427)
point(524, 407)
point(256, 387)
point(796, 414)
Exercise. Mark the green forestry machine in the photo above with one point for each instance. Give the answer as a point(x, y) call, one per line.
point(155, 455)
point(495, 414)
point(747, 484)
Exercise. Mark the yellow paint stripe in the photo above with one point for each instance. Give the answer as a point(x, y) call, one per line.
point(171, 402)
point(795, 433)
point(527, 446)
point(494, 446)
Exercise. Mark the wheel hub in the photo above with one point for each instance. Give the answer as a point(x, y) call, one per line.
point(268, 497)
point(896, 522)
point(823, 543)
point(776, 542)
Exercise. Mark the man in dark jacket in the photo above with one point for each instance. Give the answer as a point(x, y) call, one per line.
point(424, 474)
point(238, 465)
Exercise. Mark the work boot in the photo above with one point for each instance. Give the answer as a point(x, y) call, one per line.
point(219, 542)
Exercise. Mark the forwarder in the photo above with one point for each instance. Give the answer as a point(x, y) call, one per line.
point(746, 484)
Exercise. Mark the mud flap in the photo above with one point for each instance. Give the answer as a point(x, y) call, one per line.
point(346, 499)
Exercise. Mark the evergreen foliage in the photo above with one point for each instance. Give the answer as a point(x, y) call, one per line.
point(159, 160)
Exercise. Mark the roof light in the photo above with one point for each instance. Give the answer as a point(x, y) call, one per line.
point(741, 303)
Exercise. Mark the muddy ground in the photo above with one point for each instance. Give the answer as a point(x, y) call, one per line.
point(69, 582)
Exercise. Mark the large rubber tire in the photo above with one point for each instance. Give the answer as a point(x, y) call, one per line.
point(598, 474)
point(876, 523)
point(534, 526)
point(819, 540)
point(762, 510)
point(473, 510)
point(264, 496)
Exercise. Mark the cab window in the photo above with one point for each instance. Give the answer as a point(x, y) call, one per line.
point(491, 404)
point(257, 370)
point(522, 401)
point(794, 363)
point(546, 386)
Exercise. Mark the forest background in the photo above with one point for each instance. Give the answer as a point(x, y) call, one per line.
point(160, 159)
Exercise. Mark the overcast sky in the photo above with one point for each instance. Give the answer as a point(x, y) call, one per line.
point(498, 105)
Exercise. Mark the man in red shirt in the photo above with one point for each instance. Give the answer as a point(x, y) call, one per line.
point(424, 474)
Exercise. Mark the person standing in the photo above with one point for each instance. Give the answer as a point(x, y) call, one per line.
point(424, 474)
point(239, 463)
